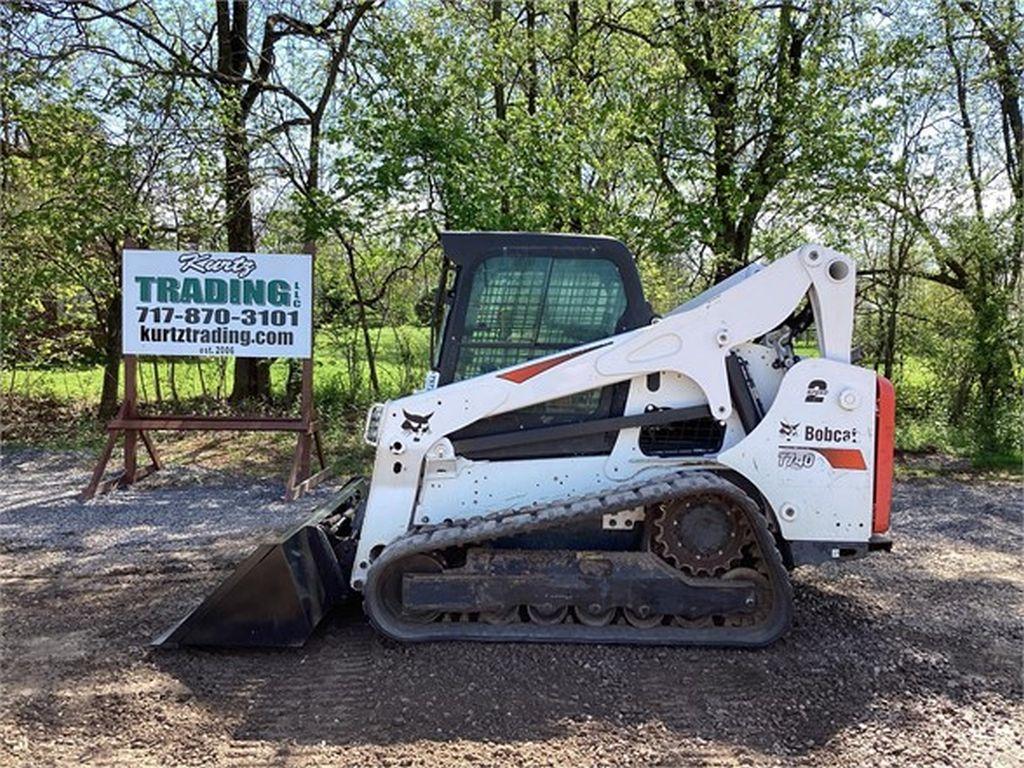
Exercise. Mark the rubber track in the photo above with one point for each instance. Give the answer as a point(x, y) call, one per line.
point(476, 530)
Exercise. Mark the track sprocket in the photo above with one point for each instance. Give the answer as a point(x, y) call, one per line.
point(701, 535)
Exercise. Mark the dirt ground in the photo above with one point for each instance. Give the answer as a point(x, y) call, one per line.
point(908, 659)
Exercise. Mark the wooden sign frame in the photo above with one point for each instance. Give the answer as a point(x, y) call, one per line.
point(135, 428)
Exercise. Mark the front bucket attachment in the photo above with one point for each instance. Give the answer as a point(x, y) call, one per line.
point(277, 595)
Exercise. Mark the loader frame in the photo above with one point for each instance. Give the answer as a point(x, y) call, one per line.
point(694, 341)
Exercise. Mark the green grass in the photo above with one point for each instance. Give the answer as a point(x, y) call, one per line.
point(56, 406)
point(806, 349)
point(69, 384)
point(340, 365)
point(1008, 462)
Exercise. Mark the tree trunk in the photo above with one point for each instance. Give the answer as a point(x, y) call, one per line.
point(251, 376)
point(111, 358)
point(500, 109)
point(364, 326)
point(156, 382)
point(730, 249)
point(532, 79)
point(900, 243)
point(993, 359)
point(173, 382)
point(293, 384)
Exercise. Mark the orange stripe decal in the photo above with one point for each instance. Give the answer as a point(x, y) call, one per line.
point(843, 458)
point(519, 375)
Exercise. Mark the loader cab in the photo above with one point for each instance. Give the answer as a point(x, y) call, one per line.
point(516, 297)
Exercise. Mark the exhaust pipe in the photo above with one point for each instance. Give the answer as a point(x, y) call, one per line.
point(278, 595)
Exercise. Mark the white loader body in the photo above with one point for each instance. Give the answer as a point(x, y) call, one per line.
point(812, 456)
point(579, 470)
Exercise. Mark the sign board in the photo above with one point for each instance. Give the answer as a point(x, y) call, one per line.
point(217, 304)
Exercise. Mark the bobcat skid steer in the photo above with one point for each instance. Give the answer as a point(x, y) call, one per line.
point(579, 470)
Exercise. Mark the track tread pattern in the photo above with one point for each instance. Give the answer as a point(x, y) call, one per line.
point(523, 520)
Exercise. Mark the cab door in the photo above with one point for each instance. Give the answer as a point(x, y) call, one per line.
point(518, 297)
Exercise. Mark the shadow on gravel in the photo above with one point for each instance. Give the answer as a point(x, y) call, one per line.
point(841, 667)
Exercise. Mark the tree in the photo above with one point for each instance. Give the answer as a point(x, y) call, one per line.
point(305, 110)
point(241, 80)
point(150, 40)
point(749, 99)
point(973, 235)
point(66, 213)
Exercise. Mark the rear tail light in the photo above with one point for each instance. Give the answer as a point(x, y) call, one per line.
point(885, 428)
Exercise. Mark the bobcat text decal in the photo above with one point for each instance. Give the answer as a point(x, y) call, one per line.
point(830, 434)
point(803, 456)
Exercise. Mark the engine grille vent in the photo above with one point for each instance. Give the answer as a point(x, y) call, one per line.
point(692, 437)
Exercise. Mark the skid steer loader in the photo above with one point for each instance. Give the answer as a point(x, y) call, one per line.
point(577, 469)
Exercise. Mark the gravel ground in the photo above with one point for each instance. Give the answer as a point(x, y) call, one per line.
point(908, 659)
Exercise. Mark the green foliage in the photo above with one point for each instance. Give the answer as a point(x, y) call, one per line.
point(341, 375)
point(701, 135)
point(990, 366)
point(67, 204)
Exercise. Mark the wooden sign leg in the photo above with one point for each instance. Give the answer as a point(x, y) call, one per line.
point(319, 448)
point(130, 455)
point(154, 457)
point(300, 479)
point(131, 471)
point(291, 486)
point(130, 435)
point(101, 466)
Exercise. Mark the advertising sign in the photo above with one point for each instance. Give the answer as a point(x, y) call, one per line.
point(217, 304)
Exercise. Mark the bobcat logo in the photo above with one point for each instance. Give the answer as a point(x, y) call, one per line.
point(416, 425)
point(788, 430)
